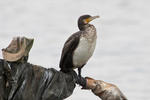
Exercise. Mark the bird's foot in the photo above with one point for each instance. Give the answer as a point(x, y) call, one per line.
point(78, 79)
point(81, 81)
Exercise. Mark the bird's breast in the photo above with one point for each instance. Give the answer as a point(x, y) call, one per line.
point(84, 51)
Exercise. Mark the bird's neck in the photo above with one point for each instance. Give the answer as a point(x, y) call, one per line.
point(89, 31)
point(83, 27)
point(90, 28)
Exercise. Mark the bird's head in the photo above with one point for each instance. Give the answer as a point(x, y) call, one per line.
point(84, 20)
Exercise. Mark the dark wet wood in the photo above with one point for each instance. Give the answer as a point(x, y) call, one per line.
point(32, 82)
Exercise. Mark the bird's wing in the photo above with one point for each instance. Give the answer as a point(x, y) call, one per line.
point(70, 45)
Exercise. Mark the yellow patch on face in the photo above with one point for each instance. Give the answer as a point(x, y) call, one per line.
point(87, 20)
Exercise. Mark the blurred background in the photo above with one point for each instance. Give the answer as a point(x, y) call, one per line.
point(122, 54)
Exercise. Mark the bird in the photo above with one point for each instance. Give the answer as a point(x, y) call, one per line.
point(80, 46)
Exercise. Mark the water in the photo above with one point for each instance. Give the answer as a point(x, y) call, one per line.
point(122, 54)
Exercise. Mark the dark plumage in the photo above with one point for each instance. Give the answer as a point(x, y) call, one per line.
point(77, 44)
point(66, 62)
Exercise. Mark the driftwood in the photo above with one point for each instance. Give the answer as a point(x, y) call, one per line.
point(20, 80)
point(25, 81)
point(104, 90)
point(31, 82)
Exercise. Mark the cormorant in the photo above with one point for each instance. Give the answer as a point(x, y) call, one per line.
point(80, 46)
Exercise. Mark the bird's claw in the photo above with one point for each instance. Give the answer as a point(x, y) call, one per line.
point(81, 81)
point(78, 79)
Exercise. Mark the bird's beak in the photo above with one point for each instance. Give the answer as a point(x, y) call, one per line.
point(94, 17)
point(91, 18)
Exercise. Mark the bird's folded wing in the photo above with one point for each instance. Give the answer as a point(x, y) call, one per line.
point(69, 46)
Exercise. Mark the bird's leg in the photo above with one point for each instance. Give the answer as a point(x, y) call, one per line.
point(81, 81)
point(79, 72)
